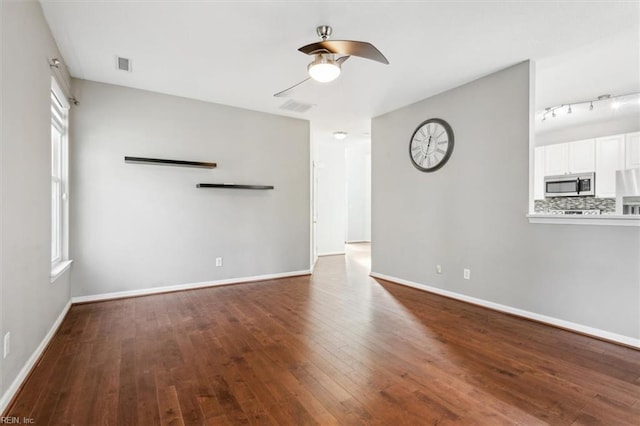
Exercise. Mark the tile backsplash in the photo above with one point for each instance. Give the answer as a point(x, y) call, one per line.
point(605, 205)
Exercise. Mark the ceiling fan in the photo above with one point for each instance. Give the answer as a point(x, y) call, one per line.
point(325, 66)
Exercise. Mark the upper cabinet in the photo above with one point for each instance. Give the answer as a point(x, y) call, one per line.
point(609, 159)
point(572, 157)
point(582, 156)
point(556, 159)
point(632, 150)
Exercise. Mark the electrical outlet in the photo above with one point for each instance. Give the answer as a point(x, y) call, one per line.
point(467, 274)
point(438, 269)
point(218, 261)
point(7, 345)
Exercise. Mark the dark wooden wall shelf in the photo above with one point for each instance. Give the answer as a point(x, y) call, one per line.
point(231, 185)
point(160, 161)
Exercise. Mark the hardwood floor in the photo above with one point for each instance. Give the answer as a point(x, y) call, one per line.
point(335, 348)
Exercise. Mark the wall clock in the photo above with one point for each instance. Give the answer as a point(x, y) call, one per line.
point(431, 145)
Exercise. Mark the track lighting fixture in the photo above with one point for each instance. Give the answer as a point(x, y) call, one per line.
point(615, 105)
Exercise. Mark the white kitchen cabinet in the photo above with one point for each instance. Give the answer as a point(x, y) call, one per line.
point(538, 173)
point(570, 157)
point(582, 156)
point(609, 158)
point(556, 159)
point(632, 148)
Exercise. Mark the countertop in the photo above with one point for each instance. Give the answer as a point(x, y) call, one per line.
point(602, 219)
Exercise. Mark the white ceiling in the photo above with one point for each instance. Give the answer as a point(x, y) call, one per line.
point(610, 65)
point(240, 53)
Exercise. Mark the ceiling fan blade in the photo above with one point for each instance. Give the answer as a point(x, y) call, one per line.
point(284, 92)
point(315, 50)
point(346, 47)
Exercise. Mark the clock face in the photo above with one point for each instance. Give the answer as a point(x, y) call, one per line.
point(431, 145)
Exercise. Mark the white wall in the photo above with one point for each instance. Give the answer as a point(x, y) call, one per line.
point(358, 181)
point(142, 226)
point(331, 226)
point(471, 214)
point(29, 303)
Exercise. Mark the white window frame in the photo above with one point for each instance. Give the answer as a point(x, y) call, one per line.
point(59, 182)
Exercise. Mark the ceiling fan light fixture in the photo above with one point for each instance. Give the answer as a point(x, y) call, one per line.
point(324, 68)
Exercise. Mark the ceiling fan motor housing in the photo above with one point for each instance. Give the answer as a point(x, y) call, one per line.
point(324, 31)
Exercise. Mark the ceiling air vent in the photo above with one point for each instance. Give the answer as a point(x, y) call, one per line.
point(292, 105)
point(123, 64)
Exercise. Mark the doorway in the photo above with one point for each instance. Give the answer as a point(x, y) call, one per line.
point(341, 193)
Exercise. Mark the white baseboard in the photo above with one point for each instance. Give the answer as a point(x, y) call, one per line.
point(595, 332)
point(358, 241)
point(31, 362)
point(178, 287)
point(334, 253)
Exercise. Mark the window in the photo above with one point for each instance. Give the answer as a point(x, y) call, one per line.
point(59, 130)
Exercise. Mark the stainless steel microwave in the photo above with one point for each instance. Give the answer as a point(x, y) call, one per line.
point(574, 185)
